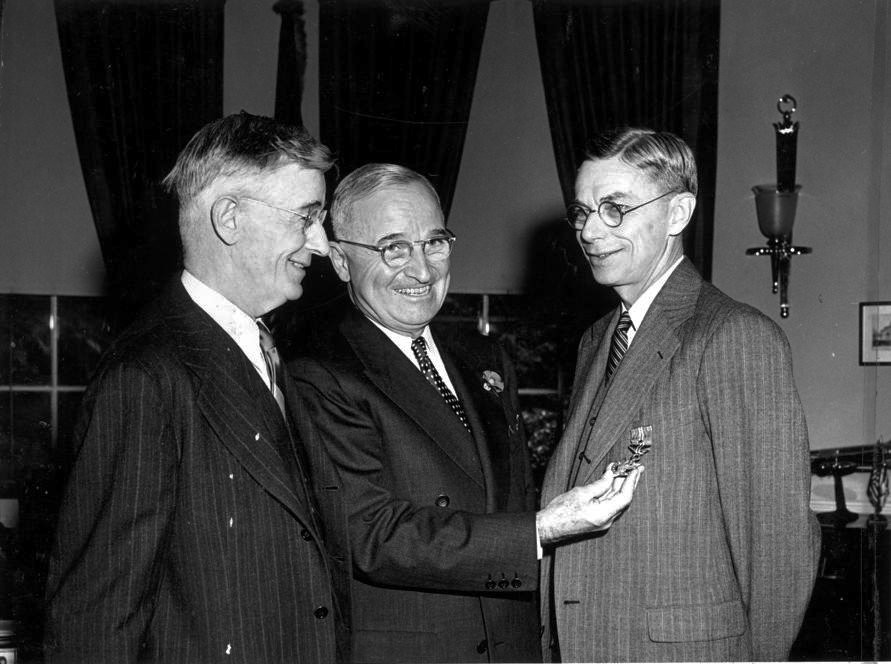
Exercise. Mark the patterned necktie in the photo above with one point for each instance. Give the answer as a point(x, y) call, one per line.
point(273, 364)
point(619, 344)
point(419, 347)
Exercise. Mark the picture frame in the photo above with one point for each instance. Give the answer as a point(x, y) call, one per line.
point(875, 333)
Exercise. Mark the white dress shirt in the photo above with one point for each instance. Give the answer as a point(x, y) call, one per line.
point(403, 343)
point(236, 323)
point(640, 307)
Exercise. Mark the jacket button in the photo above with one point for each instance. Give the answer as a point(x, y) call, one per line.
point(503, 584)
point(592, 421)
point(321, 612)
point(305, 535)
point(482, 646)
point(442, 500)
point(490, 584)
point(516, 583)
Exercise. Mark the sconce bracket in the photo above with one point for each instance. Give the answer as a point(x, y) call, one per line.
point(780, 251)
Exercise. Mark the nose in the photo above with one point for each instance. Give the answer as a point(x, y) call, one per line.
point(316, 240)
point(593, 229)
point(418, 267)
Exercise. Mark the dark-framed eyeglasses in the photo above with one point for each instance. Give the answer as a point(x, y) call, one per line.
point(397, 253)
point(301, 220)
point(609, 212)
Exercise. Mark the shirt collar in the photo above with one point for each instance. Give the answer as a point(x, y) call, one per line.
point(240, 326)
point(639, 309)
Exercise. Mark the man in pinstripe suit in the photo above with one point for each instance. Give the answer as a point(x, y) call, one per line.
point(190, 531)
point(716, 558)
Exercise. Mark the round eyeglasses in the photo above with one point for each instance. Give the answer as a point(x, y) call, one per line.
point(301, 220)
point(399, 252)
point(609, 212)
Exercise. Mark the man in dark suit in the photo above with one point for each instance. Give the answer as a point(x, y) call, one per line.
point(426, 433)
point(189, 530)
point(717, 557)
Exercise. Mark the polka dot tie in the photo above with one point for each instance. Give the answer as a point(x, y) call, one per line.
point(619, 344)
point(419, 347)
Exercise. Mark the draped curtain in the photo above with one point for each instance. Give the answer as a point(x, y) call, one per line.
point(142, 77)
point(650, 63)
point(396, 82)
point(291, 62)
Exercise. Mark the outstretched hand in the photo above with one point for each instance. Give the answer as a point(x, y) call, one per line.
point(587, 509)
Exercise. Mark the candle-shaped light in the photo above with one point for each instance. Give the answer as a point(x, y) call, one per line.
point(787, 144)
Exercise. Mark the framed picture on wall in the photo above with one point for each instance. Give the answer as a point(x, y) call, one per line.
point(875, 333)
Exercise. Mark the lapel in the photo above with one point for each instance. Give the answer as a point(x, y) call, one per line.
point(483, 410)
point(399, 379)
point(648, 357)
point(234, 400)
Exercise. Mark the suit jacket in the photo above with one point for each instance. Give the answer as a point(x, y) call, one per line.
point(441, 522)
point(187, 531)
point(716, 557)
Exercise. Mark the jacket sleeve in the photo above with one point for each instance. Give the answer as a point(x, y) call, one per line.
point(393, 540)
point(758, 433)
point(115, 515)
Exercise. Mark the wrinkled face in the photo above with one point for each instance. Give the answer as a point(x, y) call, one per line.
point(271, 250)
point(403, 299)
point(630, 257)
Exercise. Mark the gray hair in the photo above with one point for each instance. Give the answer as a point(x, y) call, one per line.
point(363, 182)
point(666, 158)
point(241, 144)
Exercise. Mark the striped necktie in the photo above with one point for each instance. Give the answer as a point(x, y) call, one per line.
point(419, 347)
point(273, 364)
point(619, 344)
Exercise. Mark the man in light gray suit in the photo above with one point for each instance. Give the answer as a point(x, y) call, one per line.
point(716, 558)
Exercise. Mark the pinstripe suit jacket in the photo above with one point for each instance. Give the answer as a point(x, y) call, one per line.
point(187, 531)
point(438, 576)
point(716, 556)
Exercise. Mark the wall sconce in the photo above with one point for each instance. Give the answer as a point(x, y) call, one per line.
point(775, 205)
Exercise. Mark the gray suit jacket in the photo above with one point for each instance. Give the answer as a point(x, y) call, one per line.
point(442, 526)
point(715, 558)
point(187, 531)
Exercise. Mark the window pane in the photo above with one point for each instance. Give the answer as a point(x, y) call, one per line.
point(30, 339)
point(31, 425)
point(69, 404)
point(84, 333)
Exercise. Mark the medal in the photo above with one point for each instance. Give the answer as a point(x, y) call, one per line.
point(641, 442)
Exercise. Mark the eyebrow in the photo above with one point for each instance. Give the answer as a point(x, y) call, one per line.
point(392, 237)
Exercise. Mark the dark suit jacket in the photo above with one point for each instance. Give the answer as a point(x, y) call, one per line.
point(439, 575)
point(716, 556)
point(186, 532)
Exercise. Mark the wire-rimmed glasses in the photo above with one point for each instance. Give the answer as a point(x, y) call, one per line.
point(306, 222)
point(610, 213)
point(397, 253)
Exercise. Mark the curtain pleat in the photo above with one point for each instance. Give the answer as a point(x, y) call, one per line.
point(142, 77)
point(396, 82)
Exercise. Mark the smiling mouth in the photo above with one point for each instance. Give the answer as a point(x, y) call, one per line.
point(418, 291)
point(602, 255)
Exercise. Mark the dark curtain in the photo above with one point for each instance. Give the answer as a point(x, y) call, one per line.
point(396, 82)
point(291, 62)
point(650, 63)
point(142, 77)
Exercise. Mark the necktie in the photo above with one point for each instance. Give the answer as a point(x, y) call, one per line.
point(419, 347)
point(273, 363)
point(619, 344)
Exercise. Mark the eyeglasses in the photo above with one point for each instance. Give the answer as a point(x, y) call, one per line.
point(306, 220)
point(609, 212)
point(399, 252)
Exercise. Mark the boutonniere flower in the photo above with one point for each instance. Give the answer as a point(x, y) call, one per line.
point(492, 381)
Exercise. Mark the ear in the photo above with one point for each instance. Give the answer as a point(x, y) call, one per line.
point(681, 212)
point(339, 260)
point(224, 219)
